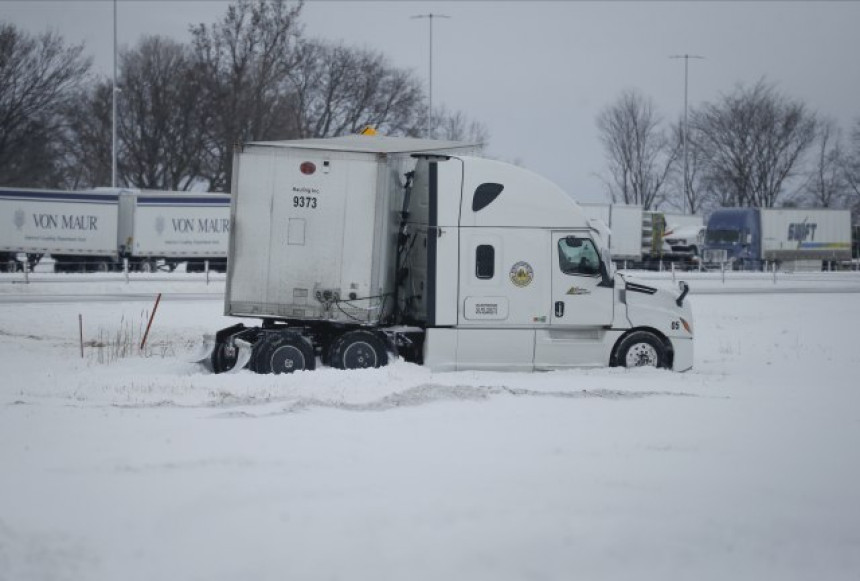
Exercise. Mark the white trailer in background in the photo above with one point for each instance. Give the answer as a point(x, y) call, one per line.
point(96, 230)
point(646, 238)
point(78, 229)
point(174, 227)
point(351, 248)
point(625, 225)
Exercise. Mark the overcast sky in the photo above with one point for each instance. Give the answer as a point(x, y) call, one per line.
point(537, 74)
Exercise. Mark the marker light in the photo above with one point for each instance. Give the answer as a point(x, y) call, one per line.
point(307, 168)
point(686, 325)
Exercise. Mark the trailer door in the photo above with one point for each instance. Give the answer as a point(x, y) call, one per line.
point(578, 299)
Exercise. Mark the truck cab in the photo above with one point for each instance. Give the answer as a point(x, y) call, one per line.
point(733, 238)
point(517, 277)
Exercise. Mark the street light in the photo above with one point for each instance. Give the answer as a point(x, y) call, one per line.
point(430, 16)
point(113, 104)
point(686, 58)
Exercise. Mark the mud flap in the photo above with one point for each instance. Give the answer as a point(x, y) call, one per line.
point(244, 355)
point(213, 348)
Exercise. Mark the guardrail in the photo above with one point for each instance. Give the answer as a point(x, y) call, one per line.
point(44, 273)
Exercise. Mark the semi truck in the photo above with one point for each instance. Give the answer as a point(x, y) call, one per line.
point(685, 235)
point(748, 238)
point(642, 238)
point(353, 249)
point(95, 230)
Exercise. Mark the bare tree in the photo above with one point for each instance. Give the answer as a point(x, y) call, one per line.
point(699, 191)
point(639, 154)
point(753, 140)
point(851, 162)
point(338, 90)
point(243, 61)
point(456, 126)
point(161, 120)
point(88, 137)
point(37, 77)
point(827, 186)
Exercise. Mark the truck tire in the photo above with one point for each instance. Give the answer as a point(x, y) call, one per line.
point(641, 349)
point(358, 350)
point(282, 352)
point(222, 361)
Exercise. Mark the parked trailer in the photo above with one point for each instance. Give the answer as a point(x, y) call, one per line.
point(78, 229)
point(174, 227)
point(353, 248)
point(747, 238)
point(96, 230)
point(644, 238)
point(625, 225)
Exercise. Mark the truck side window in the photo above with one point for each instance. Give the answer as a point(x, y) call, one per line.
point(485, 261)
point(578, 256)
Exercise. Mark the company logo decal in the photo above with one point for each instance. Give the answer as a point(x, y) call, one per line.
point(575, 290)
point(802, 231)
point(20, 218)
point(522, 274)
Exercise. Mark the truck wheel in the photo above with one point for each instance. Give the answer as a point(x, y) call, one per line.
point(641, 349)
point(358, 350)
point(284, 352)
point(222, 359)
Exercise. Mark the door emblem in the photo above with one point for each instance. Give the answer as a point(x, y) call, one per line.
point(575, 290)
point(522, 274)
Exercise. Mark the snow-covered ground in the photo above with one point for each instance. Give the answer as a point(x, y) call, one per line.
point(746, 467)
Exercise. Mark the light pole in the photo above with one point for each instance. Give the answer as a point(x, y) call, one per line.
point(430, 16)
point(113, 104)
point(686, 58)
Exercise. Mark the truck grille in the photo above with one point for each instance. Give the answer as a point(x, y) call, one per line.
point(715, 255)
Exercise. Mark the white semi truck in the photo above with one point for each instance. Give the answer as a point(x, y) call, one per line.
point(353, 248)
point(95, 230)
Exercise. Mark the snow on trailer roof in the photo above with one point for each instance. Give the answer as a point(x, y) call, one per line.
point(371, 144)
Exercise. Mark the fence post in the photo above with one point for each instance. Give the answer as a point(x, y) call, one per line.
point(27, 271)
point(673, 272)
point(206, 268)
point(125, 268)
point(723, 269)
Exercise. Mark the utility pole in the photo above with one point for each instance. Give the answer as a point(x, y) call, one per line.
point(430, 16)
point(113, 101)
point(686, 58)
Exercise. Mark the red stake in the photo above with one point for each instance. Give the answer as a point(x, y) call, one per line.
point(149, 324)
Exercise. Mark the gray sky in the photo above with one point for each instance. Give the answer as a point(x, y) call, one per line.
point(535, 73)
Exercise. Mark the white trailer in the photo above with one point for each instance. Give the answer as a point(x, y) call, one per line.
point(174, 227)
point(78, 229)
point(352, 248)
point(625, 225)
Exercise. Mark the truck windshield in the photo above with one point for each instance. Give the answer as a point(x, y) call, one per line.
point(721, 236)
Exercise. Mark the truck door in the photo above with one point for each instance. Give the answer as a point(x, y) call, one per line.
point(578, 297)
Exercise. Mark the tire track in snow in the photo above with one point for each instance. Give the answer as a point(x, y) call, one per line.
point(429, 393)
